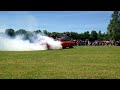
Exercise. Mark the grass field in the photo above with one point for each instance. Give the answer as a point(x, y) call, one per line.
point(80, 62)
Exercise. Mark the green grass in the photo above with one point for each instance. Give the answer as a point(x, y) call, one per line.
point(80, 62)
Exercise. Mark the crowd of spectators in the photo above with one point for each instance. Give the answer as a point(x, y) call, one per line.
point(97, 43)
point(90, 43)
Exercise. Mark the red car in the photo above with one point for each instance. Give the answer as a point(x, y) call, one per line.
point(66, 43)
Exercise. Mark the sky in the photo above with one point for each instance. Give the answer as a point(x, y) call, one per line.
point(55, 21)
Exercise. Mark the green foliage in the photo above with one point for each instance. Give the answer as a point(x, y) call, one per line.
point(45, 31)
point(114, 26)
point(100, 35)
point(25, 33)
point(20, 32)
point(10, 32)
point(94, 35)
point(81, 36)
point(74, 35)
point(86, 35)
point(38, 31)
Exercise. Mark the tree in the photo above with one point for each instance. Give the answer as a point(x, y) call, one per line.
point(10, 32)
point(81, 36)
point(45, 32)
point(114, 26)
point(37, 31)
point(86, 35)
point(99, 35)
point(105, 36)
point(20, 32)
point(94, 35)
point(73, 35)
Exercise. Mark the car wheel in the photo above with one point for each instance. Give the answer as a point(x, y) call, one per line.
point(71, 46)
point(48, 47)
point(63, 47)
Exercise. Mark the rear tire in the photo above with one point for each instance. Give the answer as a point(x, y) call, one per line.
point(63, 47)
point(71, 46)
point(48, 47)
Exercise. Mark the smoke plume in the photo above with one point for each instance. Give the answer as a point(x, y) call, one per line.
point(35, 42)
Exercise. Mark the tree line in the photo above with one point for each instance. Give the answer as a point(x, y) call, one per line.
point(112, 33)
point(74, 35)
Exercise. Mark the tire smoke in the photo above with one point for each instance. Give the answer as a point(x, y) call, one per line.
point(35, 42)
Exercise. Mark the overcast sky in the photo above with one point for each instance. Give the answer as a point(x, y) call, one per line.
point(55, 21)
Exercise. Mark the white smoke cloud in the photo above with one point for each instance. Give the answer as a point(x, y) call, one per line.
point(18, 44)
point(53, 44)
point(23, 20)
